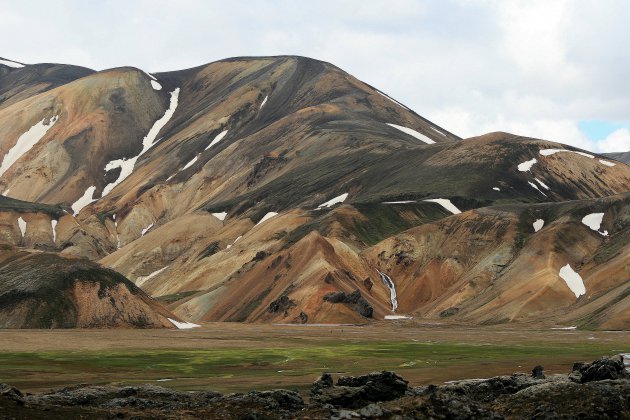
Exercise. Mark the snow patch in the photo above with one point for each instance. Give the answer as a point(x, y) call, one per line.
point(156, 85)
point(230, 245)
point(189, 164)
point(393, 317)
point(392, 99)
point(496, 188)
point(527, 165)
point(22, 225)
point(594, 221)
point(183, 325)
point(127, 165)
point(26, 142)
point(217, 139)
point(542, 184)
point(336, 200)
point(220, 216)
point(412, 133)
point(538, 224)
point(398, 202)
point(536, 187)
point(264, 102)
point(564, 328)
point(437, 131)
point(142, 279)
point(12, 64)
point(53, 225)
point(549, 152)
point(265, 218)
point(392, 289)
point(573, 280)
point(605, 162)
point(84, 200)
point(446, 203)
point(146, 229)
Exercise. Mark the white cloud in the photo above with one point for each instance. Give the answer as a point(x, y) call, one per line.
point(617, 141)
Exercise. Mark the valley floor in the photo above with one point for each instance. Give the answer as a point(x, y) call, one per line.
point(231, 357)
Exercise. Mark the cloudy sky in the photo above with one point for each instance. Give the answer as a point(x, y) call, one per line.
point(557, 70)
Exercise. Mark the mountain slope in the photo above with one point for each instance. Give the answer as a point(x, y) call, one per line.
point(278, 189)
point(40, 290)
point(621, 157)
point(18, 83)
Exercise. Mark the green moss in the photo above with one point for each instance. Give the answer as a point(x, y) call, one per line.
point(168, 299)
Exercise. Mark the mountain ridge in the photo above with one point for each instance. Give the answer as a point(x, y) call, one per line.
point(205, 185)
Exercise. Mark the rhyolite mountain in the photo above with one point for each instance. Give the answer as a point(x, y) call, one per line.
point(283, 189)
point(621, 157)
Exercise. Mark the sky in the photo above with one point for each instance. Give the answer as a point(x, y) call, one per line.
point(552, 69)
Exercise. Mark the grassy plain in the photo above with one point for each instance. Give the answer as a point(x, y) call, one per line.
point(230, 357)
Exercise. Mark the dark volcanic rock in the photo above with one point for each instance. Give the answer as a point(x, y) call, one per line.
point(538, 372)
point(354, 300)
point(357, 391)
point(602, 369)
point(282, 304)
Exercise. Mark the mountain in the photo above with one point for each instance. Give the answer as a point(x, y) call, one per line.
point(282, 189)
point(621, 157)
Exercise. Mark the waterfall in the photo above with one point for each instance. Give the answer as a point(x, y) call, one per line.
point(392, 289)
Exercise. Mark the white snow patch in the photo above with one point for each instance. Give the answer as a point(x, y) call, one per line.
point(84, 200)
point(164, 380)
point(446, 203)
point(156, 85)
point(392, 289)
point(10, 63)
point(26, 142)
point(564, 328)
point(393, 317)
point(605, 162)
point(496, 188)
point(536, 187)
point(573, 280)
point(53, 224)
point(398, 202)
point(127, 165)
point(392, 99)
point(542, 184)
point(189, 164)
point(437, 131)
point(22, 225)
point(527, 165)
point(230, 245)
point(265, 218)
point(412, 133)
point(594, 221)
point(220, 216)
point(183, 325)
point(538, 224)
point(146, 229)
point(549, 152)
point(217, 139)
point(264, 102)
point(142, 279)
point(336, 200)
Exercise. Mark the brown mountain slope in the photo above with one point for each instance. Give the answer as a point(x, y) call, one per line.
point(205, 186)
point(20, 83)
point(42, 290)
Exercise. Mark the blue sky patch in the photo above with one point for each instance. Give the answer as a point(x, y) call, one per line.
point(598, 129)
